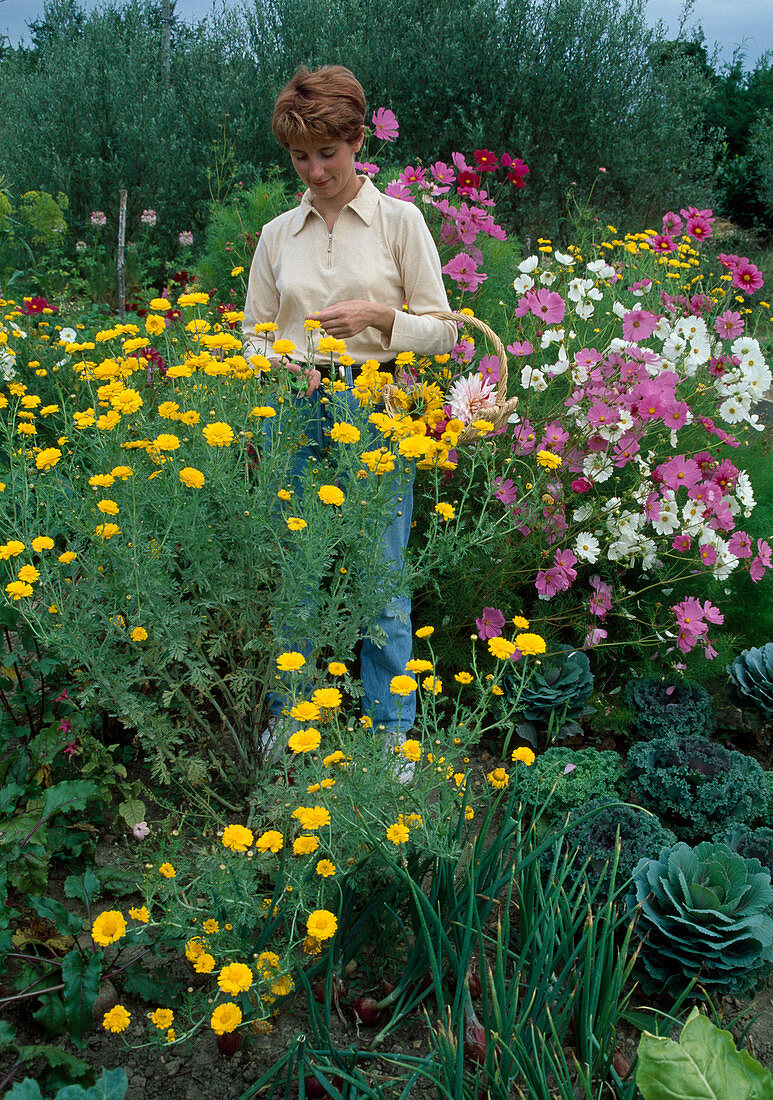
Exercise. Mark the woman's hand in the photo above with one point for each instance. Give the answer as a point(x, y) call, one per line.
point(349, 318)
point(313, 376)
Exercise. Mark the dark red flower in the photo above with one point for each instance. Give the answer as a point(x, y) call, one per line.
point(486, 160)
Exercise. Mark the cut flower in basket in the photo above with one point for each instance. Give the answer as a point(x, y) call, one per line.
point(469, 396)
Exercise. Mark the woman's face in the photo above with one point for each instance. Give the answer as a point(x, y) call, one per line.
point(327, 168)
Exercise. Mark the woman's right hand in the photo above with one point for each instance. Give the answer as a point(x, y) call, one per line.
point(313, 376)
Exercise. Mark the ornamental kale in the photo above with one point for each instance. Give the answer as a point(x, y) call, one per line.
point(702, 914)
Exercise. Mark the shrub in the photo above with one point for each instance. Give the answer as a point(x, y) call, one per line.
point(702, 914)
point(665, 709)
point(751, 675)
point(695, 785)
point(641, 836)
point(579, 775)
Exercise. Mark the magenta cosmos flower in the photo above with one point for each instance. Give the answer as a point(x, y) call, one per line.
point(464, 271)
point(490, 623)
point(385, 125)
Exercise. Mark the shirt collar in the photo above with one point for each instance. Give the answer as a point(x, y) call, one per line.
point(363, 204)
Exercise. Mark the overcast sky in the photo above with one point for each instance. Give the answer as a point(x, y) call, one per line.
point(745, 23)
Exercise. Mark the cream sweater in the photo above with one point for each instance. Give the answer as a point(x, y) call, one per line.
point(380, 250)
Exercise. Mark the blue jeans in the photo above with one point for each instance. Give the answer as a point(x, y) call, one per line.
point(378, 663)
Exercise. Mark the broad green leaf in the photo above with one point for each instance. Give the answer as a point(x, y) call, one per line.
point(51, 1014)
point(6, 1034)
point(703, 1065)
point(83, 887)
point(75, 1067)
point(29, 871)
point(64, 921)
point(71, 794)
point(112, 1085)
point(132, 811)
point(81, 986)
point(25, 1090)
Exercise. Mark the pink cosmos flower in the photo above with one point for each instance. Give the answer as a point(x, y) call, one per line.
point(748, 277)
point(366, 167)
point(385, 125)
point(582, 485)
point(699, 228)
point(486, 161)
point(507, 492)
point(517, 173)
point(682, 543)
point(490, 623)
point(549, 581)
point(761, 562)
point(545, 304)
point(519, 348)
point(565, 560)
point(729, 324)
point(675, 415)
point(467, 180)
point(470, 396)
point(680, 472)
point(601, 600)
point(442, 173)
point(398, 190)
point(662, 243)
point(489, 368)
point(639, 324)
point(464, 271)
point(595, 636)
point(740, 544)
point(524, 437)
point(708, 554)
point(410, 175)
point(672, 224)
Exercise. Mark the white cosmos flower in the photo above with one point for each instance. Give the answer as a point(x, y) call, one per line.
point(68, 335)
point(533, 379)
point(735, 409)
point(585, 309)
point(7, 364)
point(582, 512)
point(547, 278)
point(551, 336)
point(587, 547)
point(743, 490)
point(528, 265)
point(522, 284)
point(563, 258)
point(668, 521)
point(598, 467)
point(601, 268)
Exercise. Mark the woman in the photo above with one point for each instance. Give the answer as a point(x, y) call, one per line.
point(349, 257)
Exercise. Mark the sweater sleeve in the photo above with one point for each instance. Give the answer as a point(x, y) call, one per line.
point(262, 302)
point(424, 292)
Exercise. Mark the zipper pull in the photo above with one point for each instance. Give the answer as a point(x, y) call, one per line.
point(329, 247)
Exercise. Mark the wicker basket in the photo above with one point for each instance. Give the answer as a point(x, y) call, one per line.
point(499, 413)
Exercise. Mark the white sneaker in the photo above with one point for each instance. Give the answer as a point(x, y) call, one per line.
point(273, 739)
point(404, 769)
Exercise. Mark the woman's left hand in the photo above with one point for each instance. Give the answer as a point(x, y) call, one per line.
point(349, 318)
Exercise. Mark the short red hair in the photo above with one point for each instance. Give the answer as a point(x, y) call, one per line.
point(326, 103)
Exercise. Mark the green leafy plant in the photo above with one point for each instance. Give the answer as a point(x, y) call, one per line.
point(695, 785)
point(663, 709)
point(555, 695)
point(607, 825)
point(749, 843)
point(704, 1064)
point(110, 1085)
point(568, 779)
point(751, 675)
point(703, 912)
